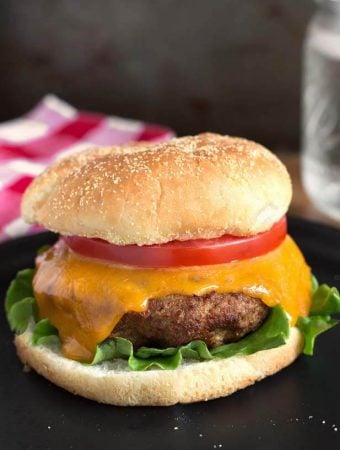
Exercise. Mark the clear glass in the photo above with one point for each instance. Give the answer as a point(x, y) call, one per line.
point(321, 109)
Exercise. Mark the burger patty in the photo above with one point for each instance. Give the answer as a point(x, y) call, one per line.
point(178, 319)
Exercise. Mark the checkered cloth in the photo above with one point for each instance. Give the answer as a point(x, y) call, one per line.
point(53, 129)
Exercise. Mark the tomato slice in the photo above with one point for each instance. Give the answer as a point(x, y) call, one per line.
point(196, 252)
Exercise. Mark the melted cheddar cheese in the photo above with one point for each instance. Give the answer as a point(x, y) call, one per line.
point(85, 298)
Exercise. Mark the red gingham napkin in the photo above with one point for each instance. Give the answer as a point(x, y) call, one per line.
point(54, 128)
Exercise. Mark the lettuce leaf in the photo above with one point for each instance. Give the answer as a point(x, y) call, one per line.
point(20, 304)
point(21, 308)
point(325, 301)
point(20, 288)
point(273, 333)
point(44, 333)
point(20, 314)
point(315, 284)
point(311, 327)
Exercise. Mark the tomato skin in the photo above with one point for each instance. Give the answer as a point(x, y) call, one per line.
point(196, 252)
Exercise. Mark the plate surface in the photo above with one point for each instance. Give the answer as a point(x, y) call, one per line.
point(298, 408)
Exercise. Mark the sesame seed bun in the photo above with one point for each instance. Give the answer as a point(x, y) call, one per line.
point(187, 188)
point(115, 384)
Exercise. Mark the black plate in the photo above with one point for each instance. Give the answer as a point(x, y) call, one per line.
point(297, 408)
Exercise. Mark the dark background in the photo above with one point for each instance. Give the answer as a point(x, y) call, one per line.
point(222, 65)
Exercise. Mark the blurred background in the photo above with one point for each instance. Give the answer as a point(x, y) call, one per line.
point(226, 65)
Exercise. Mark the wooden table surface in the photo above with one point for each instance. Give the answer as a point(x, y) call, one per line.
point(301, 206)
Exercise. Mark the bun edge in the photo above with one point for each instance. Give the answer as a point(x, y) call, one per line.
point(192, 382)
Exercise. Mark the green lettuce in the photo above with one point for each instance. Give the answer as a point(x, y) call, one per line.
point(44, 333)
point(311, 327)
point(21, 310)
point(20, 304)
point(20, 288)
point(273, 333)
point(325, 301)
point(21, 313)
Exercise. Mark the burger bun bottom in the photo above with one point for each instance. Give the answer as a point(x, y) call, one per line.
point(114, 383)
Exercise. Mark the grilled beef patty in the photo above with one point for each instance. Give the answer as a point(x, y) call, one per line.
point(178, 319)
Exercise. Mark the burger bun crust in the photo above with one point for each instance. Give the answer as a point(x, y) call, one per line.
point(195, 187)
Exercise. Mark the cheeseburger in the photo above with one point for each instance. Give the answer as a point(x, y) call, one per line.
point(173, 279)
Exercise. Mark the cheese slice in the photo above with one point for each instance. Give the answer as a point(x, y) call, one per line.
point(85, 298)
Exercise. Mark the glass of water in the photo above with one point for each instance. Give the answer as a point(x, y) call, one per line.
point(321, 109)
